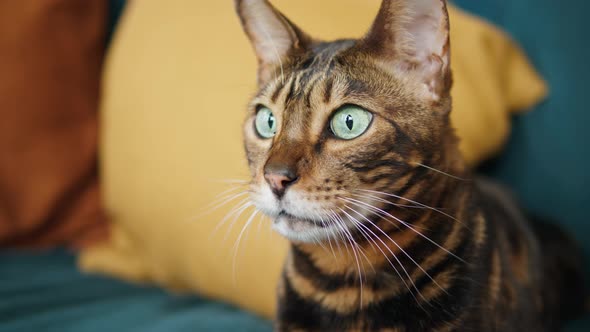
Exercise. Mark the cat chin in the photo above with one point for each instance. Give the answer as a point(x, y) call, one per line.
point(302, 230)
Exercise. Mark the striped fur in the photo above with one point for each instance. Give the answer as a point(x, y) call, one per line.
point(389, 232)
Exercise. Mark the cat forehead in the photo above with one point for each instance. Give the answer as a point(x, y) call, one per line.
point(320, 61)
point(330, 69)
point(323, 54)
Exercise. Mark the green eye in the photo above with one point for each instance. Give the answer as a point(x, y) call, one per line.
point(266, 125)
point(350, 122)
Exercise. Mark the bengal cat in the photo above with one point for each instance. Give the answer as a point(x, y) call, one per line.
point(353, 156)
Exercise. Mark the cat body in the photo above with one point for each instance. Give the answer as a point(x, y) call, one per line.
point(352, 154)
point(500, 282)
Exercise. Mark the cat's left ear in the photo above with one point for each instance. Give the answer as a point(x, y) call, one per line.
point(411, 37)
point(272, 35)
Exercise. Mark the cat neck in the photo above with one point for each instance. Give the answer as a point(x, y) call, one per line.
point(403, 243)
point(413, 264)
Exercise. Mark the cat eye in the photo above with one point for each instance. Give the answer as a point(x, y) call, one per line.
point(350, 122)
point(265, 123)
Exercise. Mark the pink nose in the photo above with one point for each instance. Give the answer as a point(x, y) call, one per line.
point(279, 181)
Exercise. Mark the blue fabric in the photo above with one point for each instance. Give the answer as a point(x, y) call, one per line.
point(547, 157)
point(45, 292)
point(115, 10)
point(546, 160)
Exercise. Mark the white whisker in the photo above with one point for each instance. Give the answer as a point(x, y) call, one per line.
point(354, 221)
point(405, 253)
point(231, 181)
point(387, 257)
point(228, 215)
point(411, 201)
point(237, 243)
point(441, 172)
point(328, 235)
point(408, 226)
point(374, 210)
point(375, 198)
point(341, 224)
point(224, 200)
point(236, 215)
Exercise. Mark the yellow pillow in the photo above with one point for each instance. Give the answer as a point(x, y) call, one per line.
point(177, 80)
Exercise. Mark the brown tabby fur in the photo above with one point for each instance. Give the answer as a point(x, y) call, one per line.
point(446, 253)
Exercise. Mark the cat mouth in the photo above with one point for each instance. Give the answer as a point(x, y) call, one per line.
point(302, 229)
point(290, 217)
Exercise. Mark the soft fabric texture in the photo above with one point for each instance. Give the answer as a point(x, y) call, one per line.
point(61, 299)
point(50, 60)
point(176, 85)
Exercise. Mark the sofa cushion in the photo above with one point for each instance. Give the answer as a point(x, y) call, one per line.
point(45, 292)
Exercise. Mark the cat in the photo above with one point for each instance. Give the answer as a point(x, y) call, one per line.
point(353, 156)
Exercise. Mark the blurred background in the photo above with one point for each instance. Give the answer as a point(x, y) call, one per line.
point(120, 121)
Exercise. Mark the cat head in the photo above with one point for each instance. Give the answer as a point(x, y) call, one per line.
point(337, 124)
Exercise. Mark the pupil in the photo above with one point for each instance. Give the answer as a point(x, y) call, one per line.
point(271, 121)
point(349, 122)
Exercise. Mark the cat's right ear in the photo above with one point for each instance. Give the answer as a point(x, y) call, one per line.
point(272, 35)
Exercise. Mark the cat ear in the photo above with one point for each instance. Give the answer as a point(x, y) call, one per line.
point(412, 37)
point(272, 35)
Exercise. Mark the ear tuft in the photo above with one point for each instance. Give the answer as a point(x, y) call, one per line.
point(273, 37)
